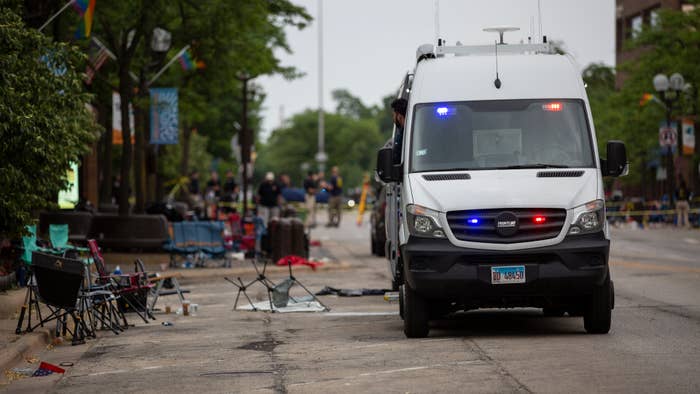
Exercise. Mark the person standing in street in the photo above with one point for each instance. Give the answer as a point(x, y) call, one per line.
point(310, 189)
point(268, 199)
point(682, 205)
point(335, 188)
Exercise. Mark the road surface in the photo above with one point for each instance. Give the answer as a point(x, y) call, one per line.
point(654, 344)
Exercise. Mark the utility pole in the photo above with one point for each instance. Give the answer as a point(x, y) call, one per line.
point(245, 141)
point(321, 156)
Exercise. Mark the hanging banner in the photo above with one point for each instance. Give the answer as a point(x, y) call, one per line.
point(164, 121)
point(117, 137)
point(688, 128)
point(69, 197)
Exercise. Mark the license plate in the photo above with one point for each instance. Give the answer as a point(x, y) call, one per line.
point(506, 275)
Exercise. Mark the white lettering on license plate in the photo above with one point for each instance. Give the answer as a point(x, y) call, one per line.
point(506, 275)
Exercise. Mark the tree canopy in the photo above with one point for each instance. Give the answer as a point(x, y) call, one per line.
point(44, 121)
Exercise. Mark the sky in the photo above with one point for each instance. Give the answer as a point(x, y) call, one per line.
point(368, 45)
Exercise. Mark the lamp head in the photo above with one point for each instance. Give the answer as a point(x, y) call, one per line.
point(677, 82)
point(661, 83)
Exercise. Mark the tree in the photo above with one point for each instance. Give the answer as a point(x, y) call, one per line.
point(44, 121)
point(351, 144)
point(672, 45)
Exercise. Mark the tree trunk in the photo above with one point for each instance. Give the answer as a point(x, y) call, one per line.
point(139, 136)
point(125, 89)
point(185, 162)
point(106, 162)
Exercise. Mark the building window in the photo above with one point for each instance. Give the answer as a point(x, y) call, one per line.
point(636, 25)
point(654, 17)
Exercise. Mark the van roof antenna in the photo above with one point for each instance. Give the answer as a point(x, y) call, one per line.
point(500, 30)
point(497, 82)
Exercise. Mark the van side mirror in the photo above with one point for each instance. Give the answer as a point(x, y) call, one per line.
point(616, 162)
point(386, 170)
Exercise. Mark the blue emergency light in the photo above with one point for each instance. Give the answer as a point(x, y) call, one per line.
point(444, 111)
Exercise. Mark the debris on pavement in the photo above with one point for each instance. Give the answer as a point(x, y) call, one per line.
point(167, 323)
point(351, 292)
point(46, 369)
point(298, 305)
point(298, 260)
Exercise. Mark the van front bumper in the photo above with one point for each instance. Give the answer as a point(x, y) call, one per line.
point(438, 270)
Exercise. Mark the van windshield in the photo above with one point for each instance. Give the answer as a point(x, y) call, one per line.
point(500, 134)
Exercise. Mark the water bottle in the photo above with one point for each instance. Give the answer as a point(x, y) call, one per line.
point(117, 271)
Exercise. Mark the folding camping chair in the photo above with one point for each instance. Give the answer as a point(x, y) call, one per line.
point(31, 299)
point(182, 242)
point(132, 288)
point(59, 235)
point(59, 281)
point(209, 241)
point(277, 293)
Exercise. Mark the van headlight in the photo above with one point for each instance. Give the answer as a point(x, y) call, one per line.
point(588, 218)
point(424, 222)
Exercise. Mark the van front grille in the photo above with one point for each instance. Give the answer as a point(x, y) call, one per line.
point(506, 225)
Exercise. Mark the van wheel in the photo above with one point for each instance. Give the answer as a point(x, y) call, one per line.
point(597, 316)
point(379, 248)
point(401, 300)
point(415, 319)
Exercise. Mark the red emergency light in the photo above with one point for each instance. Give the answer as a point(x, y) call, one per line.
point(539, 219)
point(553, 107)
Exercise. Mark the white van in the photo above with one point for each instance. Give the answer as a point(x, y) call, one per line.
point(498, 199)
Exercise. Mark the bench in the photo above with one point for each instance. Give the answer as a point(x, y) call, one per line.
point(79, 224)
point(129, 232)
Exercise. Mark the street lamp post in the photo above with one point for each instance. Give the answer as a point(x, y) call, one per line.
point(246, 140)
point(670, 91)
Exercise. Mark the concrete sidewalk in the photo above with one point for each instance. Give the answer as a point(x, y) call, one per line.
point(14, 349)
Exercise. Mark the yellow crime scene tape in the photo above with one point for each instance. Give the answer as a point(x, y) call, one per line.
point(648, 213)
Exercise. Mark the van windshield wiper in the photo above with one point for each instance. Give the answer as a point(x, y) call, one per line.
point(535, 165)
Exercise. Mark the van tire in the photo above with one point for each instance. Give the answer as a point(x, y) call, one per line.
point(415, 319)
point(597, 316)
point(401, 300)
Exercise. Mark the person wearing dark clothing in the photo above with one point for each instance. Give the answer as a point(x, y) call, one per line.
point(230, 186)
point(398, 107)
point(310, 189)
point(335, 187)
point(268, 198)
point(214, 184)
point(682, 205)
point(194, 182)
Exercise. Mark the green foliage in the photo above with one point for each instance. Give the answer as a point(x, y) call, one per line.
point(200, 159)
point(671, 46)
point(44, 122)
point(351, 144)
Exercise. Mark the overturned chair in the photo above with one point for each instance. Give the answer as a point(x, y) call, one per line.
point(278, 296)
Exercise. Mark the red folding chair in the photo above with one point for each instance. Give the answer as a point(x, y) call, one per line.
point(133, 288)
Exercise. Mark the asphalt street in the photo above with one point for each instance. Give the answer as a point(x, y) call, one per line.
point(359, 346)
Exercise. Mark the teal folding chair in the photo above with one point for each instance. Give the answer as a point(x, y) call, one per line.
point(58, 235)
point(29, 245)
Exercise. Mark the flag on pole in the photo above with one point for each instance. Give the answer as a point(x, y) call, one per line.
point(86, 10)
point(646, 98)
point(97, 55)
point(188, 62)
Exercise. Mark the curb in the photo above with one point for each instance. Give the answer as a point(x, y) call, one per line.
point(29, 344)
